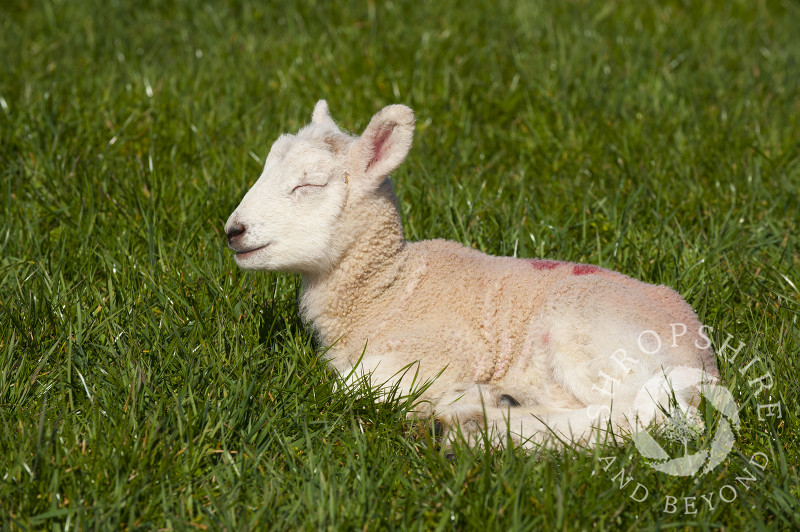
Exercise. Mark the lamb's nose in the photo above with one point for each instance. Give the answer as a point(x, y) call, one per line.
point(235, 232)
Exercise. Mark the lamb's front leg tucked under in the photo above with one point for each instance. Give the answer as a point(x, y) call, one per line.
point(465, 409)
point(476, 412)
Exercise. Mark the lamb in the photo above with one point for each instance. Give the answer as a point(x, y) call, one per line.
point(532, 349)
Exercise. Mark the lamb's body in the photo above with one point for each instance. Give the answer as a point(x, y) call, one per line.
point(518, 342)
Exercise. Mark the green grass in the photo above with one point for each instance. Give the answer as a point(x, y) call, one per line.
point(146, 382)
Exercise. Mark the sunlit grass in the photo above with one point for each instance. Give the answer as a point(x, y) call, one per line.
point(146, 382)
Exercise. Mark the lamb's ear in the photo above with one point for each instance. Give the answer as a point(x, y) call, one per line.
point(321, 114)
point(384, 144)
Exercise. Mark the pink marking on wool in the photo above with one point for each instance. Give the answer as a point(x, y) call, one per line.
point(544, 264)
point(505, 360)
point(584, 269)
point(546, 338)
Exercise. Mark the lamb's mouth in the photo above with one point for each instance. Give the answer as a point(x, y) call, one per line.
point(247, 253)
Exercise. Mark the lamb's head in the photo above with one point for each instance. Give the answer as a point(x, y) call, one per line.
point(292, 218)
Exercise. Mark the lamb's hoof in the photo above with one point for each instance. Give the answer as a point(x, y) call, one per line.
point(438, 429)
point(506, 401)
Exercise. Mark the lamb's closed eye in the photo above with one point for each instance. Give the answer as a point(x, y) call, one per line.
point(307, 187)
point(310, 181)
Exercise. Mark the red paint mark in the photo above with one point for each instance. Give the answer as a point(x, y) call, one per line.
point(544, 264)
point(546, 338)
point(584, 269)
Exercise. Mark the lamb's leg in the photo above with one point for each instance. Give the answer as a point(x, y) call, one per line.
point(527, 427)
point(487, 415)
point(472, 410)
point(581, 426)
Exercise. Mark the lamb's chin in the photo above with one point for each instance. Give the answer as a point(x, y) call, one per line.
point(253, 259)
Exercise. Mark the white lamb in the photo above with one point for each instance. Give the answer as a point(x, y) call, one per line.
point(528, 348)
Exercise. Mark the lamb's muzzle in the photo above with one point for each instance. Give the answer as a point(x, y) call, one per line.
point(234, 233)
point(527, 347)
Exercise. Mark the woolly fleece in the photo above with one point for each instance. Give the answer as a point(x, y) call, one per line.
point(565, 341)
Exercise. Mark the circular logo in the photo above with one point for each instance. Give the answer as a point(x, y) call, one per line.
point(681, 422)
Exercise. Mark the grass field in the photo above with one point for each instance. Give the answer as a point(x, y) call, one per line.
point(147, 383)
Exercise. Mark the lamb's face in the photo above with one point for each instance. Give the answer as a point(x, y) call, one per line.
point(292, 218)
point(288, 219)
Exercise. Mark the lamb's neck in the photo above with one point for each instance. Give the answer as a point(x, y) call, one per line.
point(333, 302)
